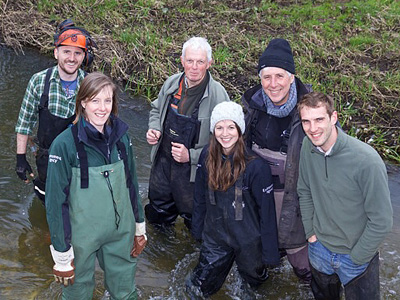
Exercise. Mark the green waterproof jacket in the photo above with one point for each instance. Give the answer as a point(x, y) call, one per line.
point(62, 159)
point(214, 94)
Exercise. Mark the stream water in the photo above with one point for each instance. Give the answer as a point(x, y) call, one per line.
point(25, 260)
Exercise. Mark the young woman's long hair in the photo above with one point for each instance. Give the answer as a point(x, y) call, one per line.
point(223, 173)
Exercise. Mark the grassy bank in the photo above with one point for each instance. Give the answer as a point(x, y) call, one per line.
point(349, 49)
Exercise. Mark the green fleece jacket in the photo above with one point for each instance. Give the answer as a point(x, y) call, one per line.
point(344, 197)
point(214, 94)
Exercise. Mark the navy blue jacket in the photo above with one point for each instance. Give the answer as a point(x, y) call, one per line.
point(216, 223)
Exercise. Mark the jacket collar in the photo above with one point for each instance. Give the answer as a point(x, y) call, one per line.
point(340, 143)
point(175, 86)
point(118, 129)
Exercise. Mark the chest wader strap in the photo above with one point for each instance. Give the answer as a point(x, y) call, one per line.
point(211, 195)
point(194, 117)
point(82, 158)
point(129, 182)
point(44, 99)
point(253, 123)
point(285, 140)
point(238, 204)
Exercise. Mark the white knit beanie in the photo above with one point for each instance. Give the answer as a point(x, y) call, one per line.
point(227, 111)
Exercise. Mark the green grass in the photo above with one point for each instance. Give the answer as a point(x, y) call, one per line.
point(346, 48)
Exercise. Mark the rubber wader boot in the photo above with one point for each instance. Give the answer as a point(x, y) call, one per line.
point(365, 285)
point(325, 287)
point(159, 216)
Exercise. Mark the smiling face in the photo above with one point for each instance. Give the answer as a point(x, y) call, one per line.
point(276, 84)
point(97, 110)
point(195, 64)
point(227, 134)
point(69, 60)
point(319, 126)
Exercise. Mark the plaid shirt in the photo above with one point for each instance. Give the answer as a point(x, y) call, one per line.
point(59, 104)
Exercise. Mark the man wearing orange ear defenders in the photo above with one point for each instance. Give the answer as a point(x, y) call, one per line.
point(49, 100)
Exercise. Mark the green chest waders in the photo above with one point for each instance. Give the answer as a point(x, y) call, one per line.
point(102, 226)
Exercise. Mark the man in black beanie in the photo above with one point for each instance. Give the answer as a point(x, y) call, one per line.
point(275, 133)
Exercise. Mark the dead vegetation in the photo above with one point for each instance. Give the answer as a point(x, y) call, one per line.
point(140, 43)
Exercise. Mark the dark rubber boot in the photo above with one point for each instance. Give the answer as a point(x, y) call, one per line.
point(301, 266)
point(156, 215)
point(39, 188)
point(325, 287)
point(187, 219)
point(365, 285)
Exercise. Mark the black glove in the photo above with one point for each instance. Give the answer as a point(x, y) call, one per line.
point(22, 167)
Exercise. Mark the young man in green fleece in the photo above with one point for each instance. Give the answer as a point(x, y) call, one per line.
point(345, 204)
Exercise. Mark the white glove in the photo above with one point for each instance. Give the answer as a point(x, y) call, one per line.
point(63, 269)
point(140, 229)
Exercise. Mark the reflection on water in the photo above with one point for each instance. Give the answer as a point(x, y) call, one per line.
point(25, 260)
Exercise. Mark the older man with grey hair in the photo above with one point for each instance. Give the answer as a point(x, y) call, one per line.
point(275, 133)
point(179, 126)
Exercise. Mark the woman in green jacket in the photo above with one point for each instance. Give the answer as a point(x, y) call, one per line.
point(92, 201)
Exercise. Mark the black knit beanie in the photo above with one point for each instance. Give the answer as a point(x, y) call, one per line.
point(277, 54)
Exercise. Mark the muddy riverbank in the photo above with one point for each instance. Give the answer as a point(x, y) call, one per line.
point(346, 48)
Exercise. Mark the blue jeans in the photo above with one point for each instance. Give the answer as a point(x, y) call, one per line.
point(327, 262)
